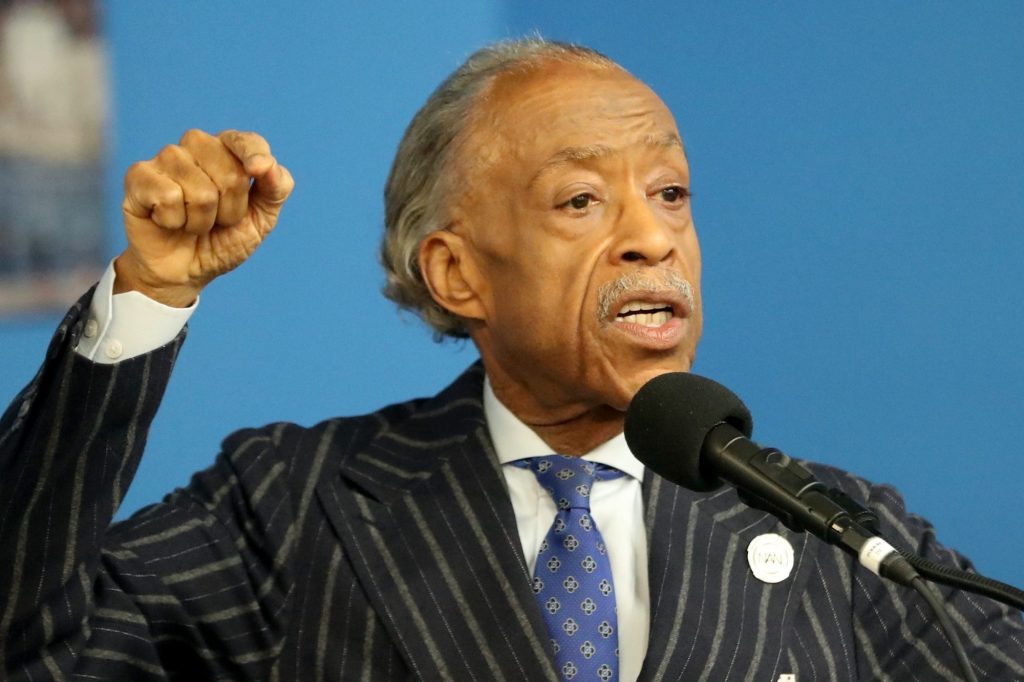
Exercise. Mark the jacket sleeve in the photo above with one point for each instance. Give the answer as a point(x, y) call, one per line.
point(897, 634)
point(69, 446)
point(189, 588)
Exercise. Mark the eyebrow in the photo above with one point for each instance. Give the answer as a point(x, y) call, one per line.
point(570, 155)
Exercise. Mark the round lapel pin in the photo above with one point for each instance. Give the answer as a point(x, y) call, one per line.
point(770, 557)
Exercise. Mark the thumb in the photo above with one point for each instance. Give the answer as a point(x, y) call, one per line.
point(270, 189)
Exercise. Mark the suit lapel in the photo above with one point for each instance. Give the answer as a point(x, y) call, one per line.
point(426, 523)
point(709, 613)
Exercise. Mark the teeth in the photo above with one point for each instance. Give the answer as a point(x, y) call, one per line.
point(634, 306)
point(651, 319)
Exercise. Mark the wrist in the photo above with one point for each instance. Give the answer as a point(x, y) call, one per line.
point(129, 276)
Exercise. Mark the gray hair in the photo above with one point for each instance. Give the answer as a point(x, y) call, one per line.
point(417, 194)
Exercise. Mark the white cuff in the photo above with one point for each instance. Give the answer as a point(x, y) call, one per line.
point(129, 324)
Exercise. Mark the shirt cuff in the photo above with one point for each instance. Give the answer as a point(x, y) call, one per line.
point(125, 325)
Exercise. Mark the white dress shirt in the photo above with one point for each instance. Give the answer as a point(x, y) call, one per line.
point(125, 325)
point(616, 506)
point(122, 326)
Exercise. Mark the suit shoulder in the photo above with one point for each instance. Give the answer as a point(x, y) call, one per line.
point(307, 452)
point(343, 435)
point(896, 523)
point(857, 487)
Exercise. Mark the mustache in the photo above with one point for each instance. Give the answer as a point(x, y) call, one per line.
point(642, 282)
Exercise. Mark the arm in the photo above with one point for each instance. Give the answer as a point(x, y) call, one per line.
point(69, 445)
point(71, 441)
point(192, 588)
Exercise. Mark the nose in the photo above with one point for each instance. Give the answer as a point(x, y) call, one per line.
point(641, 236)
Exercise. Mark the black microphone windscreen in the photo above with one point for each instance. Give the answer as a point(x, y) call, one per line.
point(668, 419)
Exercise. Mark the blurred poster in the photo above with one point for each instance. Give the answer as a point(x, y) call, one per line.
point(53, 108)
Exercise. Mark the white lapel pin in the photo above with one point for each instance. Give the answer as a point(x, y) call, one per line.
point(770, 557)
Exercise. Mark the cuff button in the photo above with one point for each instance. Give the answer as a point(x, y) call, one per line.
point(114, 349)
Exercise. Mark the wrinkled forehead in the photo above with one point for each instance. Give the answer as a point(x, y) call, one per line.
point(530, 114)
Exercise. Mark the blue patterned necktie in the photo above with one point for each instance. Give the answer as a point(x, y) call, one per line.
point(573, 577)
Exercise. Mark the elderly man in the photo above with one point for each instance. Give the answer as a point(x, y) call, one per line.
point(539, 205)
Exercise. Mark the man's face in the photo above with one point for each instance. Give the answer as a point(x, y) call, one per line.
point(575, 208)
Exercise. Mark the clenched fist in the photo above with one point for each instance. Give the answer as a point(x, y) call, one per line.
point(197, 210)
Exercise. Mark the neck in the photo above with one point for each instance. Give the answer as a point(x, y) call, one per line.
point(579, 436)
point(573, 430)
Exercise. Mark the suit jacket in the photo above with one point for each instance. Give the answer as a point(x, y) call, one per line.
point(384, 547)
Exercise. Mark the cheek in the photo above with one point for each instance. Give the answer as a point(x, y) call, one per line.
point(540, 274)
point(690, 250)
point(555, 293)
point(547, 304)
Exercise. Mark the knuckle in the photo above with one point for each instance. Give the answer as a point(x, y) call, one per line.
point(245, 142)
point(235, 179)
point(136, 172)
point(250, 138)
point(228, 136)
point(168, 219)
point(170, 152)
point(260, 144)
point(168, 197)
point(205, 200)
point(193, 136)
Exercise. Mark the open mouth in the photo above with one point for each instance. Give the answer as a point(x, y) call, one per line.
point(646, 313)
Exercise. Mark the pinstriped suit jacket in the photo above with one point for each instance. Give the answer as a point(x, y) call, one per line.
point(384, 547)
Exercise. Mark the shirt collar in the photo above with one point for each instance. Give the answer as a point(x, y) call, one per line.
point(515, 440)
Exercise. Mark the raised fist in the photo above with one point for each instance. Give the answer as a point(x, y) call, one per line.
point(197, 210)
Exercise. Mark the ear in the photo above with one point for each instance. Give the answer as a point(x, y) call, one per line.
point(451, 275)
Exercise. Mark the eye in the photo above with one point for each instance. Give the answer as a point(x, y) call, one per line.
point(581, 201)
point(674, 194)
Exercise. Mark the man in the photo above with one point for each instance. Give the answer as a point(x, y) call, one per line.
point(538, 204)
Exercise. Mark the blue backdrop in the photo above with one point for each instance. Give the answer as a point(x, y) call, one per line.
point(857, 181)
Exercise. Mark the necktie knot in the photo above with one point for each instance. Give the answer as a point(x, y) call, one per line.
point(568, 480)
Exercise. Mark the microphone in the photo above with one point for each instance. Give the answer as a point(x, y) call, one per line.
point(696, 433)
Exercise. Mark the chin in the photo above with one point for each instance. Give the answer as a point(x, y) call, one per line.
point(640, 378)
point(632, 381)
